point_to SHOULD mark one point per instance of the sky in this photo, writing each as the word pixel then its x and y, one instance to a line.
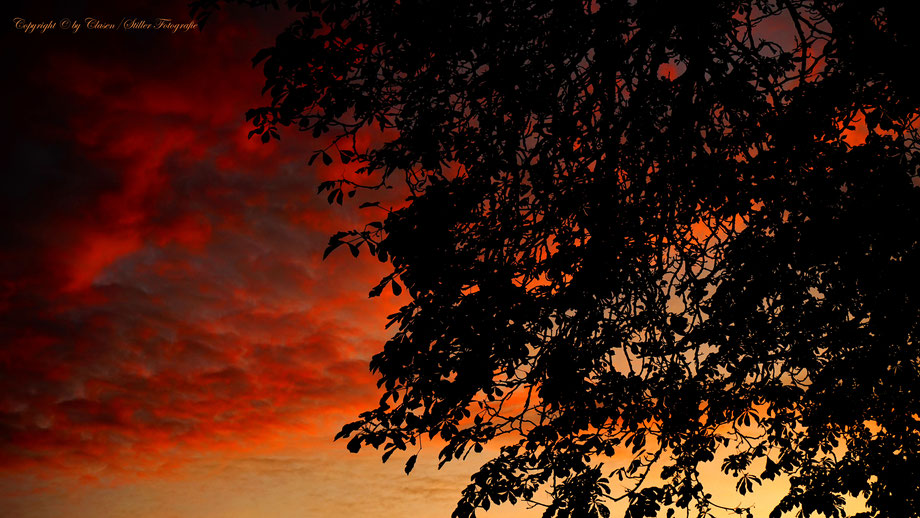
pixel 171 342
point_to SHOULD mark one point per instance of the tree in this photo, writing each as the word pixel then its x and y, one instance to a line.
pixel 680 232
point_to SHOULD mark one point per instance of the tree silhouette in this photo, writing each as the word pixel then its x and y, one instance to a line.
pixel 642 236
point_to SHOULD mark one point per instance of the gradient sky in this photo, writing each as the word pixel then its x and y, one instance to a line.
pixel 171 343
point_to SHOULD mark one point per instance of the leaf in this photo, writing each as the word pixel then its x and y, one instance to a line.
pixel 387 454
pixel 333 244
pixel 410 463
pixel 354 445
pixel 397 289
pixel 261 55
pixel 326 158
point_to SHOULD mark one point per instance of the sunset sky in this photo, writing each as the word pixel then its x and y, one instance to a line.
pixel 171 342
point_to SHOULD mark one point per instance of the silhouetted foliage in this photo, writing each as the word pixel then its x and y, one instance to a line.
pixel 642 236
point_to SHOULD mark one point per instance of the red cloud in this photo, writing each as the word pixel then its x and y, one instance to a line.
pixel 161 290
